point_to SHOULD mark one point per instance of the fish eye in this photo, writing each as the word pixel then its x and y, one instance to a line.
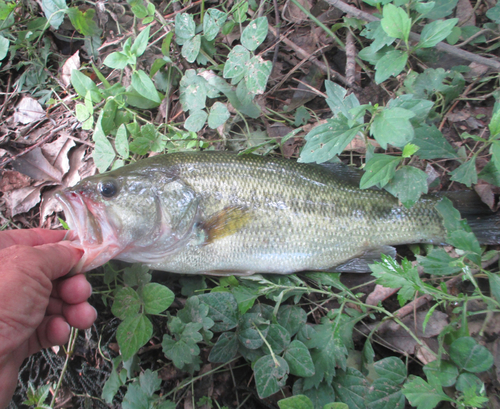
pixel 108 188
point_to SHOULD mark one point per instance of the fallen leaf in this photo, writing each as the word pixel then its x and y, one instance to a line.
pixel 10 180
pixel 28 110
pixel 57 152
pixel 36 166
pixel 72 63
pixel 465 13
pixel 432 174
pixel 487 192
pixel 21 200
pixel 293 14
pixel 380 293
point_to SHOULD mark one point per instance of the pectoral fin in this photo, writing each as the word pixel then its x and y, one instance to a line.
pixel 361 264
pixel 224 223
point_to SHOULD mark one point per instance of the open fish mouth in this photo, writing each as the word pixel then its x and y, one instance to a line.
pixel 89 231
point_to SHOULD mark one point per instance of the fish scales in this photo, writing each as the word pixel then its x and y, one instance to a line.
pixel 274 215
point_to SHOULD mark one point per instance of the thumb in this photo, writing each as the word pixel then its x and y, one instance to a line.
pixel 57 259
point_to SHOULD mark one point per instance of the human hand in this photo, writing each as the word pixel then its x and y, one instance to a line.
pixel 37 307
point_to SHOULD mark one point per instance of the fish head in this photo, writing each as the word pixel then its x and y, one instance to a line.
pixel 132 215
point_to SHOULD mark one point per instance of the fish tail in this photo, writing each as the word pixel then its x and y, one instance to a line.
pixel 484 223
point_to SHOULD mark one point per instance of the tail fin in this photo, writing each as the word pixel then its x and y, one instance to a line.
pixel 482 220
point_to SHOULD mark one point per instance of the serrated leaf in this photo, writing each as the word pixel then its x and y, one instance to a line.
pixel 391 368
pixel 258 74
pixel 145 86
pixel 141 42
pixel 255 33
pixel 432 144
pixel 121 142
pixel 196 120
pixel 379 170
pixel 218 115
pixel 423 395
pixel 396 22
pixel 435 32
pixel 391 64
pixel 212 23
pixel 374 31
pixel 470 356
pixel 270 375
pixel 408 184
pixel 392 126
pixel 225 348
pixel 149 382
pixel 299 359
pixel 439 263
pixel 132 334
pixel 156 297
pixel 236 63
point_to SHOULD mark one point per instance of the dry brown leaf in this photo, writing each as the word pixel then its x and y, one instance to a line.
pixel 432 174
pixel 358 144
pixel 57 152
pixel 28 110
pixel 35 165
pixel 380 293
pixel 72 63
pixel 465 13
pixel 293 14
pixel 21 200
pixel 11 180
pixel 487 193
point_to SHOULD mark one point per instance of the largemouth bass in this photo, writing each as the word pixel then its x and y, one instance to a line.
pixel 219 213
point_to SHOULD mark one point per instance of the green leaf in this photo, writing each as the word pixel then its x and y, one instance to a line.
pixel 149 382
pixel 54 10
pixel 83 84
pixel 196 120
pixel 185 28
pixel 4 47
pixel 432 144
pixel 408 184
pixel 149 140
pixel 292 318
pixel 132 334
pixel 446 372
pixel 299 359
pixel 351 388
pixel 409 150
pixel 156 297
pixel 320 397
pixel 392 126
pixel 391 64
pixel 326 141
pixel 194 89
pixel 126 304
pixel 258 74
pixel 145 86
pixel 423 395
pixel 467 381
pixel 278 338
pixel 103 153
pixel 255 33
pixel 420 107
pixel 223 309
pixel 84 116
pixel 245 296
pixel 470 356
pixel 466 173
pixel 225 348
pixel 184 349
pixel 494 281
pixel 6 9
pixel 240 14
pixel 191 48
pixel 391 368
pixel 218 115
pixel 121 142
pixel 236 63
pixel 439 263
pixel 252 329
pixel 385 394
pixel 140 43
pixel 379 170
pixel 108 117
pixel 212 23
pixel 494 124
pixel 494 13
pixel 375 32
pixel 296 402
pixel 442 9
pixel 113 383
pixel 435 32
pixel 270 375
pixel 396 22
pixel 118 60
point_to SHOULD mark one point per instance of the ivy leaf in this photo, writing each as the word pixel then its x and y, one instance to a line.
pixel 156 297
pixel 255 33
pixel 379 170
pixel 435 32
pixel 132 334
pixel 392 126
pixel 396 22
pixel 270 375
pixel 408 184
pixel 466 173
pixel 391 64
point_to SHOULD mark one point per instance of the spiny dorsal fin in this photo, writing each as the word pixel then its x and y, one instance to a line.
pixel 225 222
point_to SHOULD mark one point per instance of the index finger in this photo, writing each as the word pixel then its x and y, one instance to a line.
pixel 31 237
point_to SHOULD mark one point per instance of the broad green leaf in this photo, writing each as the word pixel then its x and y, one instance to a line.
pixel 351 388
pixel 149 382
pixel 194 89
pixel 494 280
pixel 218 115
pixel 278 338
pixel 432 144
pixel 145 86
pixel 258 74
pixel 391 64
pixel 379 170
pixel 132 334
pixel 126 304
pixel 396 22
pixel 420 107
pixel 108 116
pixel 392 126
pixel 240 14
pixel 374 31
pixel 270 375
pixel 83 84
pixel 391 368
pixel 149 140
pixel 408 184
pixel 6 9
pixel 385 394
pixel 467 381
pixel 252 328
pixel 255 33
pixel 320 397
pixel 296 402
pixel 212 23
pixel 225 348
pixel 494 124
pixel 466 173
pixel 442 9
pixel 113 384
pixel 83 21
pixel 223 310
pixel 196 120
pixel 121 142
pixel 424 395
pixel 84 116
pixel 292 318
pixel 185 27
pixel 494 13
pixel 245 296
pixel 118 60
pixel 446 372
pixel 156 297
pixel 336 405
pixel 409 150
pixel 299 359
pixel 470 356
pixel 141 42
pixel 236 63
pixel 439 263
pixel 103 153
pixel 435 32
pixel 54 10
pixel 4 47
pixel 191 48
